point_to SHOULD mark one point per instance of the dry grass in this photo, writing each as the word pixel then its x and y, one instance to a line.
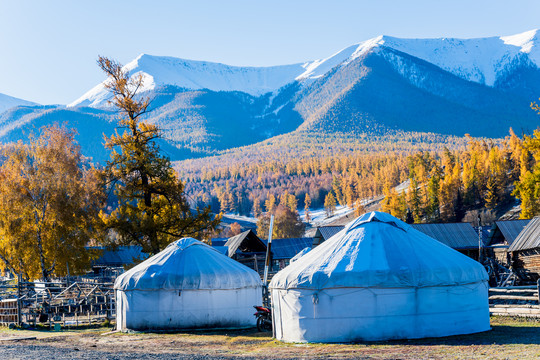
pixel 510 339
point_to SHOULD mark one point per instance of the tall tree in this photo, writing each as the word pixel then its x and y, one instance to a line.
pixel 49 204
pixel 257 207
pixel 270 203
pixel 330 204
pixel 152 210
pixel 287 224
pixel 307 205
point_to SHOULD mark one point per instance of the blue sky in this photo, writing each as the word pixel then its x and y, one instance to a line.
pixel 49 48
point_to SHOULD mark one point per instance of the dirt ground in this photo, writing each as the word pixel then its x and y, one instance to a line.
pixel 509 339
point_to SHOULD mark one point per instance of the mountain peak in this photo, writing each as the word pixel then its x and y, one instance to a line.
pixel 481 60
pixel 7 102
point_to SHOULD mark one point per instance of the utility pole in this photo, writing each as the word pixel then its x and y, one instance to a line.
pixel 19 294
pixel 480 243
pixel 267 263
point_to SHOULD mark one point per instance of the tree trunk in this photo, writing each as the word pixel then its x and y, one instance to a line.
pixel 44 271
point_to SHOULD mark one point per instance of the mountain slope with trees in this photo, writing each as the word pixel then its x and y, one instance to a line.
pixel 382 86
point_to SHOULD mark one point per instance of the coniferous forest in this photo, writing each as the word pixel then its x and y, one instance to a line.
pixel 441 185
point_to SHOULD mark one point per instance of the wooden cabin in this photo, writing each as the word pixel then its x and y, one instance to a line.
pixel 245 248
pixel 248 249
pixel 283 250
pixel 112 262
pixel 459 236
pixel 503 234
pixel 525 251
pixel 324 233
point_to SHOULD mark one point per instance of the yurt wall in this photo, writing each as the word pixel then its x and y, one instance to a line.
pixel 379 279
pixel 187 285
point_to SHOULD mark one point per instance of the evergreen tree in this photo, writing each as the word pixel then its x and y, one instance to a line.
pixel 492 198
pixel 459 209
pixel 432 208
pixel 414 200
pixel 152 210
pixel 409 219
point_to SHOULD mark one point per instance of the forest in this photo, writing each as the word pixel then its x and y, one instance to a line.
pixel 442 184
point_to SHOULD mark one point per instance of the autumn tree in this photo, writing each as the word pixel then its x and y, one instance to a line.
pixel 307 205
pixel 257 207
pixel 270 203
pixel 528 185
pixel 395 204
pixel 152 210
pixel 330 204
pixel 287 224
pixel 49 203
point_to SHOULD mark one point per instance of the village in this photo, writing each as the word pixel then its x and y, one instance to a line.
pixel 191 285
pixel 255 180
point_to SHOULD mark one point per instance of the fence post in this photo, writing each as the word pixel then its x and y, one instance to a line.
pixel 538 288
pixel 19 292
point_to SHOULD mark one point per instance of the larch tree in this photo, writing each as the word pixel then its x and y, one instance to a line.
pixel 287 224
pixel 270 203
pixel 307 205
pixel 330 204
pixel 49 204
pixel 152 209
pixel 257 207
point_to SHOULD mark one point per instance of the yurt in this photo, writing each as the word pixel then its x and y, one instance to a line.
pixel 187 285
pixel 379 279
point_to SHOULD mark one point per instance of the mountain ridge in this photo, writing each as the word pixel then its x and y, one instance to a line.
pixel 367 90
pixel 491 55
pixel 7 102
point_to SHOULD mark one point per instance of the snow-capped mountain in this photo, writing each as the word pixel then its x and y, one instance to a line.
pixel 7 102
pixel 195 75
pixel 482 60
pixel 385 84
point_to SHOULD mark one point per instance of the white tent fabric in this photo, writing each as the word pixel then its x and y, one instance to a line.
pixel 300 254
pixel 187 285
pixel 379 279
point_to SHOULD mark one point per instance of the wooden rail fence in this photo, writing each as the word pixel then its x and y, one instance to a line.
pixel 515 301
pixel 56 304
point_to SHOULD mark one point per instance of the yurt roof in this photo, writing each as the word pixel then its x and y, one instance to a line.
pixel 379 250
pixel 188 264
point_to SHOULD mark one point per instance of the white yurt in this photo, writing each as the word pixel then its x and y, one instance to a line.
pixel 379 279
pixel 187 285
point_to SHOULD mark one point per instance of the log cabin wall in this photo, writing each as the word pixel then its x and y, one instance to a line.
pixel 528 260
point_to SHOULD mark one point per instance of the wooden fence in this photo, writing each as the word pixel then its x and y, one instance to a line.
pixel 56 303
pixel 521 301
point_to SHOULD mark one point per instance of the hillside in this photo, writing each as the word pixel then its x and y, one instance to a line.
pixel 8 102
pixel 365 93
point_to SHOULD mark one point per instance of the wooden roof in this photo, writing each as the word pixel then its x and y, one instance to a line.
pixel 459 236
pixel 326 232
pixel 508 229
pixel 288 248
pixel 245 242
pixel 528 238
